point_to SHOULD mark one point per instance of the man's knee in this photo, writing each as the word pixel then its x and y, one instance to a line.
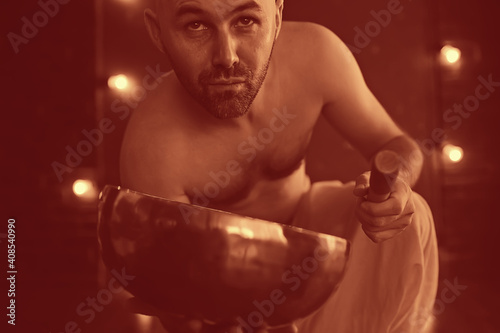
pixel 423 220
pixel 421 206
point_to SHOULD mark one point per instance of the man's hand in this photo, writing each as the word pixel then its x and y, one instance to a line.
pixel 175 324
pixel 386 219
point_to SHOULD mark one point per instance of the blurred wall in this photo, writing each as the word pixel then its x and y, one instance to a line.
pixel 48 85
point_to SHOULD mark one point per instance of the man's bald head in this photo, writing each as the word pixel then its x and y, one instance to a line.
pixel 158 3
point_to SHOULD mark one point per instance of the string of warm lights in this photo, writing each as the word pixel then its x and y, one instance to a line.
pixel 451 56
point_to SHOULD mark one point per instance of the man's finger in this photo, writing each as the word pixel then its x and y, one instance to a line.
pixel 398 203
pixel 398 225
pixel 385 222
pixel 380 236
pixel 362 184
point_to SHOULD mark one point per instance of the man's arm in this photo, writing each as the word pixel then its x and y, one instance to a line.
pixel 353 110
pixel 149 159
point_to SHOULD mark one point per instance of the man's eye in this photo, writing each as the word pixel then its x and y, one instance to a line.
pixel 196 26
pixel 245 22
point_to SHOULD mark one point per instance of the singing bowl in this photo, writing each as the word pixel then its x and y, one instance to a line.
pixel 217 266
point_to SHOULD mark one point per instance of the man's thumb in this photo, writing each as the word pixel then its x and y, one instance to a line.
pixel 362 184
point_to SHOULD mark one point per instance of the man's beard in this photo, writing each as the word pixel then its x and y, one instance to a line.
pixel 229 103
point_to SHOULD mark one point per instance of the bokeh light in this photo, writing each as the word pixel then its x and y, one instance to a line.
pixel 118 82
pixel 84 189
pixel 451 54
pixel 453 153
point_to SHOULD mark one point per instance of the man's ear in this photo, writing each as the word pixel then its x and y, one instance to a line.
pixel 153 27
pixel 279 16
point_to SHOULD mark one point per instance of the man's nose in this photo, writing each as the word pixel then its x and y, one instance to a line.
pixel 225 54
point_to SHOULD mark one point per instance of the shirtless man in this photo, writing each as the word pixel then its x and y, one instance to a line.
pixel 238 112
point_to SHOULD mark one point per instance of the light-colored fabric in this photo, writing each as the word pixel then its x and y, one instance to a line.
pixel 387 287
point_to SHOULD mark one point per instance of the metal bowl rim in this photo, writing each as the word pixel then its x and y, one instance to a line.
pixel 217 211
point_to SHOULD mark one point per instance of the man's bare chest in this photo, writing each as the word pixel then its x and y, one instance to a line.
pixel 226 167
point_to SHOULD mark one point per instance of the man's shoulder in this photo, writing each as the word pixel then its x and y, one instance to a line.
pixel 156 110
pixel 303 27
pixel 151 136
pixel 150 106
pixel 318 56
pixel 307 37
pixel 314 48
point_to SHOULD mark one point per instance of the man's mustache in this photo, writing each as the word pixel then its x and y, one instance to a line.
pixel 237 71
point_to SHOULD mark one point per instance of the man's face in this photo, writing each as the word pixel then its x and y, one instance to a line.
pixel 219 49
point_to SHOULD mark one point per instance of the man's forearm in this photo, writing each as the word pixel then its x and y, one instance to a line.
pixel 411 157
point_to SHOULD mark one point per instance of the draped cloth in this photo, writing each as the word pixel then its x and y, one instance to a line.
pixel 387 287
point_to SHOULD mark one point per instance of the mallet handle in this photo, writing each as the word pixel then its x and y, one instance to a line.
pixel 384 172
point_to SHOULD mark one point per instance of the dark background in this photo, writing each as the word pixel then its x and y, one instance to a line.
pixel 55 87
